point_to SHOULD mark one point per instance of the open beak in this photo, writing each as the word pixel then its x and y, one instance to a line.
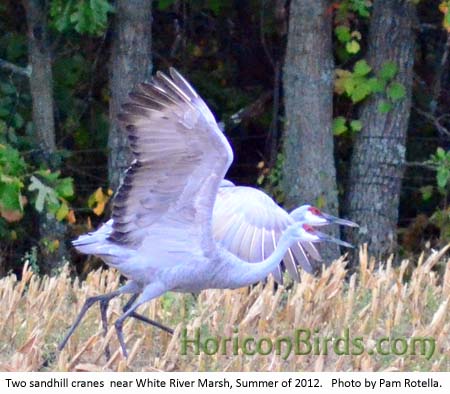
pixel 335 220
pixel 329 238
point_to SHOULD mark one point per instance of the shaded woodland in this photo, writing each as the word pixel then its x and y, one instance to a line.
pixel 341 104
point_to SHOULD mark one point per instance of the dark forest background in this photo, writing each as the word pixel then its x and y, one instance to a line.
pixel 342 104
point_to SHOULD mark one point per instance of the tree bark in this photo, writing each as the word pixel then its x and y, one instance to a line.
pixel 41 90
pixel 378 158
pixel 309 172
pixel 131 64
pixel 41 78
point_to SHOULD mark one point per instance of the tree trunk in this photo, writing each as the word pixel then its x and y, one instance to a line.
pixel 378 158
pixel 41 90
pixel 131 64
pixel 309 173
pixel 41 78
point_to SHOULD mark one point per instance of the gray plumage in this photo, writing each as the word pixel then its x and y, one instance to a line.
pixel 162 235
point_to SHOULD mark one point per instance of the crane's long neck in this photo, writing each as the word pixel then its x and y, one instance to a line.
pixel 242 273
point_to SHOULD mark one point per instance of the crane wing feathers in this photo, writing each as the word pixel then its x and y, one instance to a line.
pixel 180 157
pixel 248 223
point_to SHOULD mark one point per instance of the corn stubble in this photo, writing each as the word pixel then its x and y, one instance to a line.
pixel 373 302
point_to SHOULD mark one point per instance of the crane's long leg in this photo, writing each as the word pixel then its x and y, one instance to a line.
pixel 153 290
pixel 144 319
pixel 103 312
pixel 130 287
pixel 137 316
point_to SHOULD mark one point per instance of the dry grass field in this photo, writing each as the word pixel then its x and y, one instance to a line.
pixel 409 300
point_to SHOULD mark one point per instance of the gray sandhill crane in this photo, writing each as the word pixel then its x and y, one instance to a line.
pixel 161 235
pixel 248 223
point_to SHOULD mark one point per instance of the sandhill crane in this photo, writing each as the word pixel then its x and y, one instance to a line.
pixel 161 233
pixel 248 223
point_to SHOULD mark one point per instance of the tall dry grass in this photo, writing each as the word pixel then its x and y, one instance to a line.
pixel 412 299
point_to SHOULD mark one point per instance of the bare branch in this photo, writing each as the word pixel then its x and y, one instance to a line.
pixel 421 164
pixel 435 120
pixel 22 71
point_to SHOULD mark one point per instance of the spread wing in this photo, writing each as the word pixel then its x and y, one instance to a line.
pixel 180 158
pixel 248 223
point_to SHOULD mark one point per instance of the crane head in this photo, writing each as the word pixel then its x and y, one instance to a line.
pixel 310 234
pixel 315 217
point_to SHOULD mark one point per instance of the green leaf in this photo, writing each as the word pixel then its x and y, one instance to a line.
pixel 440 153
pixel 343 33
pixel 396 91
pixel 349 85
pixel 11 162
pixel 339 125
pixel 356 125
pixel 10 196
pixel 216 6
pixel 446 21
pixel 362 7
pixel 18 120
pixel 442 176
pixel 388 71
pixel 64 188
pixel 60 12
pixel 352 46
pixel 8 88
pixel 361 68
pixel 361 91
pixel 376 85
pixel 427 192
pixel 384 107
pixel 165 4
pixel 62 212
pixel 91 16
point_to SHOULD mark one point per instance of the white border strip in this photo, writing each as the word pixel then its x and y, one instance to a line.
pixel 220 382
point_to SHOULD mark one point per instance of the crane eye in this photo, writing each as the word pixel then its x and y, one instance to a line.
pixel 315 211
pixel 308 228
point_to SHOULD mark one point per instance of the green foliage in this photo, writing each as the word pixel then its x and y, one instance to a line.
pixel 444 7
pixel 339 125
pixel 52 191
pixel 354 84
pixel 356 125
pixel 83 16
pixel 347 10
pixel 361 7
pixel 349 39
pixel 352 47
pixel 163 5
pixel 12 170
pixel 347 30
pixel 362 68
pixel 388 71
pixel 360 83
pixel 384 107
pixel 440 161
pixel 342 126
pixel 396 91
pixel 215 6
pixel 47 189
pixel 15 46
pixel 343 34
